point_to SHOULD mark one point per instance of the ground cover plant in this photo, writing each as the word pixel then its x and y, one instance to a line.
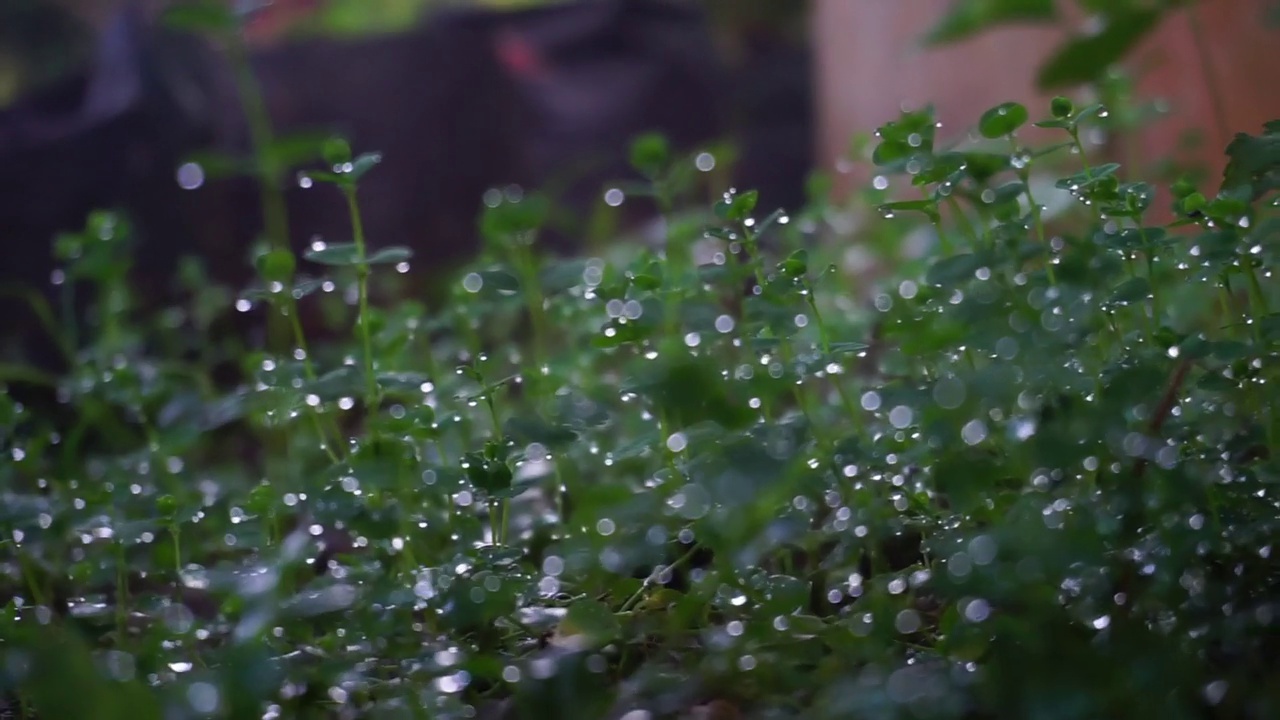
pixel 1034 478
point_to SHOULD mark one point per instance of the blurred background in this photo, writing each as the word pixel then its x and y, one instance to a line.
pixel 863 59
pixel 101 106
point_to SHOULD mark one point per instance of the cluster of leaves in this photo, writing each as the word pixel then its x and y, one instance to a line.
pixel 1034 479
pixel 1118 27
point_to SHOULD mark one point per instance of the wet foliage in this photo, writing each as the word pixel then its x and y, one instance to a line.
pixel 1033 478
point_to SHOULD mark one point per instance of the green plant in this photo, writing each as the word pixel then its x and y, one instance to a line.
pixel 1033 479
pixel 1117 28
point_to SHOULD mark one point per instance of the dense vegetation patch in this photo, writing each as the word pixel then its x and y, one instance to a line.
pixel 1034 479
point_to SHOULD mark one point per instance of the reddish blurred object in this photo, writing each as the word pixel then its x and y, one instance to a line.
pixel 1209 61
pixel 519 56
pixel 275 19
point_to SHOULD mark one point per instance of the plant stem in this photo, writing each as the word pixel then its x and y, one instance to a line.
pixel 528 267
pixel 653 578
pixel 122 594
pixel 677 263
pixel 849 406
pixel 274 211
pixel 944 242
pixel 1224 298
pixel 177 554
pixel 1084 158
pixel 1150 256
pixel 664 433
pixel 963 222
pixel 262 137
pixel 362 280
pixel 310 372
pixel 494 528
pixel 1025 175
pixel 1257 298
pixel 30 577
pixel 1229 302
pixel 493 416
pixel 406 527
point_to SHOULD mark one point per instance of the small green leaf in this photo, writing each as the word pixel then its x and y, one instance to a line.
pixel 1216 382
pixel 644 281
pixel 796 264
pixel 563 275
pixel 650 154
pixel 276 265
pixel 347 254
pixel 346 381
pixel 322 601
pixel 1085 58
pixel 590 623
pixel 910 136
pixel 774 218
pixel 302 287
pixel 202 16
pixel 784 595
pixel 967 18
pixel 843 348
pixel 336 151
pixel 1230 350
pixel 1006 193
pixel 737 208
pixel 1270 327
pixel 337 254
pixel 1132 290
pixel 362 165
pixel 345 175
pixel 486 473
pixel 1054 123
pixel 1088 178
pixel 499 281
pixel 418 420
pixel 533 429
pixel 1195 348
pixel 288 151
pixel 390 256
pixel 1002 120
pixel 508 220
pixel 407 383
pixel 217 165
pixel 928 207
pixel 167 506
pixel 955 269
pixel 940 168
pixel 1254 160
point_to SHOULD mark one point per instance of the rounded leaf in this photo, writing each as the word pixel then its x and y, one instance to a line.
pixel 276 265
pixel 336 151
pixel 1002 120
pixel 650 153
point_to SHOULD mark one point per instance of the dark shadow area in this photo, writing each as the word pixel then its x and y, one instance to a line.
pixel 548 97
